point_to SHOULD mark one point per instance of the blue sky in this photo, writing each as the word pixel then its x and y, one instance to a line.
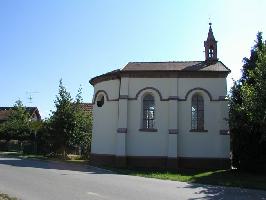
pixel 43 41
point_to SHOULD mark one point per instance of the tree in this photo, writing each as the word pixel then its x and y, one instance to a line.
pixel 248 111
pixel 62 120
pixel 83 124
pixel 17 126
pixel 70 126
pixel 35 127
pixel 43 139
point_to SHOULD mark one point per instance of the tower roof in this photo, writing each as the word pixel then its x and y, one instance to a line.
pixel 210 46
pixel 210 34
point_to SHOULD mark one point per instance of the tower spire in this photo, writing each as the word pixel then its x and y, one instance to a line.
pixel 210 46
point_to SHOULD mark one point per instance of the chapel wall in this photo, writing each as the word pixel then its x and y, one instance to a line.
pixel 209 144
pixel 173 111
pixel 141 143
pixel 105 118
pixel 188 144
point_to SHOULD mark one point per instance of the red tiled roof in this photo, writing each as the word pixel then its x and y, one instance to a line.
pixel 87 107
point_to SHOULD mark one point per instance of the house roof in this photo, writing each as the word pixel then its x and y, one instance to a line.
pixel 6 111
pixel 197 69
pixel 4 114
pixel 87 107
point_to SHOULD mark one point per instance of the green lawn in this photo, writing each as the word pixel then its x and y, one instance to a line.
pixel 6 197
pixel 21 155
pixel 232 178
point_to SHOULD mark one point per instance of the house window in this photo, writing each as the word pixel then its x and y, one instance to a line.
pixel 148 112
pixel 100 101
pixel 197 113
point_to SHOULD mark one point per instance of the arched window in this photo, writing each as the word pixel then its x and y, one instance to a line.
pixel 148 112
pixel 197 112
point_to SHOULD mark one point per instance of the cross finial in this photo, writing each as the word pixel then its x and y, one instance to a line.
pixel 210 21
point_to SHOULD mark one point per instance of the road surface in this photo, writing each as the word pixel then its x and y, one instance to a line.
pixel 49 180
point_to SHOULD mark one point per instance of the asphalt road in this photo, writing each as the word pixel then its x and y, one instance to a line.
pixel 45 180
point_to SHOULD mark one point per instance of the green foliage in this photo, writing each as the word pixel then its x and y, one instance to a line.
pixel 81 136
pixel 42 137
pixel 62 120
pixel 248 112
pixel 18 124
pixel 70 126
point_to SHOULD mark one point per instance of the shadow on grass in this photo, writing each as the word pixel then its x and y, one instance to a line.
pixel 210 192
pixel 214 182
pixel 230 178
pixel 233 178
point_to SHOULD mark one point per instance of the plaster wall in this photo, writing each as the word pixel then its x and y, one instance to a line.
pixel 215 86
pixel 105 118
pixel 162 84
pixel 202 144
pixel 111 87
pixel 141 143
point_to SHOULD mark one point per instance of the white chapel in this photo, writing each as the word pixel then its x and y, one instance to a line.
pixel 166 115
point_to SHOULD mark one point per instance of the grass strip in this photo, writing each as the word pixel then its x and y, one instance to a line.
pixel 6 197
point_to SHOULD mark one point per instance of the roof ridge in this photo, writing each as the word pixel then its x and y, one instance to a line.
pixel 167 61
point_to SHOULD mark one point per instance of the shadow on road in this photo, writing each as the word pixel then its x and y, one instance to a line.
pixel 209 192
pixel 43 164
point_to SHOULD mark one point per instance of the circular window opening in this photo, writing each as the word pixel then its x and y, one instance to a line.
pixel 100 101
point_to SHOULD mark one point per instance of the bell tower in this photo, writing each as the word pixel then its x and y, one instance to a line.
pixel 210 46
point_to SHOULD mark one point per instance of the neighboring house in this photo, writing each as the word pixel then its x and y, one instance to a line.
pixel 163 114
pixel 87 107
pixel 6 111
